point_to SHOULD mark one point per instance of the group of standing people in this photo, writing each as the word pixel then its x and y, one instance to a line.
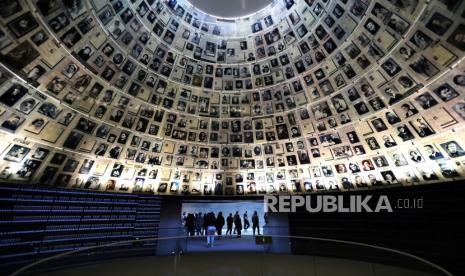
pixel 237 223
pixel 208 224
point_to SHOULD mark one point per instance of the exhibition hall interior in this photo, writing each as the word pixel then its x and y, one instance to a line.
pixel 127 126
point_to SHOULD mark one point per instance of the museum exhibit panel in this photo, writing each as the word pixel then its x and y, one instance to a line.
pixel 111 107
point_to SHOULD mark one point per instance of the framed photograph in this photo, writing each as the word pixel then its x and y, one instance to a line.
pixel 62 180
pixel 66 118
pixel 446 92
pixel 439 24
pixel 73 140
pixel 75 8
pixel 210 49
pixel 5 173
pixel 459 108
pixel 256 27
pixel 16 153
pixel 56 85
pixel 59 22
pixel 71 37
pixel 399 25
pixel 58 158
pixel 28 169
pixel 70 165
pixel 49 110
pixel 9 8
pixel 86 25
pixel 27 105
pixel 36 125
pixel 86 166
pixel 371 26
pixel 12 122
pixel 456 38
pixel 34 75
pixel 47 7
pixel 421 40
pixel 20 56
pixel 13 95
pixel 40 153
pixel 421 127
pixel 23 25
pixel 453 149
pixel 424 67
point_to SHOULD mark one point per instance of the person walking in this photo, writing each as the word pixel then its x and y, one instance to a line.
pixel 238 223
pixel 219 223
pixel 229 223
pixel 255 223
pixel 246 222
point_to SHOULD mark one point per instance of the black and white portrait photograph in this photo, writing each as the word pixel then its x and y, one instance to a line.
pixel 23 25
pixel 9 8
pixel 20 56
pixel 11 96
pixel 27 170
pixel 16 153
pixel 457 38
pixel 453 149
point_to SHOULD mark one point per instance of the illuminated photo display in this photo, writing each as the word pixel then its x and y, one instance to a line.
pixel 158 97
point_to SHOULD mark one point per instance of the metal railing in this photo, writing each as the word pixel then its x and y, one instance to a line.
pixel 264 245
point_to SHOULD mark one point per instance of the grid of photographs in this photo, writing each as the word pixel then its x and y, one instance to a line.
pixel 304 96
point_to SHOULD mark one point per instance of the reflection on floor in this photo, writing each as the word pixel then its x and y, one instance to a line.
pixel 238 263
pixel 225 243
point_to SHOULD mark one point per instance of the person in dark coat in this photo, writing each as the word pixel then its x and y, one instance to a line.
pixel 238 223
pixel 229 223
pixel 199 224
pixel 255 223
pixel 219 223
pixel 204 226
pixel 190 224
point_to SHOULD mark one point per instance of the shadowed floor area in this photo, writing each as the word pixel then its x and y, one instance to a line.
pixel 237 263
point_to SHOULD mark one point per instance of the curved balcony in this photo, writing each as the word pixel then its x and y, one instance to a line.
pixel 230 255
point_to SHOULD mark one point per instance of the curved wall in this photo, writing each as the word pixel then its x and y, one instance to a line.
pixel 303 96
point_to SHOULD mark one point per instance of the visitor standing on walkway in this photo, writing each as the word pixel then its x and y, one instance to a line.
pixel 190 224
pixel 210 222
pixel 229 223
pixel 238 223
pixel 199 224
pixel 219 223
pixel 255 223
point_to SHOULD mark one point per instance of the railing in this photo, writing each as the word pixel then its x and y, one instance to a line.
pixel 173 255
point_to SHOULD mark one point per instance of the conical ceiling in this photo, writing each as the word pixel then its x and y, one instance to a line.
pixel 300 97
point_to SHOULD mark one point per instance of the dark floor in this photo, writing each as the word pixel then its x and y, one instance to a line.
pixel 237 263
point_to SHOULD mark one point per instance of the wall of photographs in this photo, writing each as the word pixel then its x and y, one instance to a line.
pixel 304 96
